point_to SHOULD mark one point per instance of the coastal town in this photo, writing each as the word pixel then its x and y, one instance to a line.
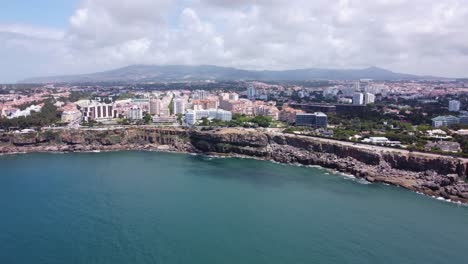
pixel 425 116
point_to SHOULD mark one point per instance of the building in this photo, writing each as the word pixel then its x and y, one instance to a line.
pixel 164 119
pixel 266 110
pixel 233 96
pixel 251 92
pixel 288 114
pixel 369 98
pixel 358 99
pixel 205 104
pixel 316 119
pixel 155 106
pixel 350 109
pixel 445 121
pixel 200 95
pixel 324 108
pixel 377 140
pixel 135 113
pixel 179 106
pixel 454 105
pixel 192 117
pixel 357 86
pixel 98 111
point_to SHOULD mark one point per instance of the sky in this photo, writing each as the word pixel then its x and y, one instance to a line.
pixel 56 37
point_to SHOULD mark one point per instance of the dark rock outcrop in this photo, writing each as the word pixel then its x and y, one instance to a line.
pixel 427 173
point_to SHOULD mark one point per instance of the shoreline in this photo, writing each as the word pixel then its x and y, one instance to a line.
pixel 328 171
pixel 427 174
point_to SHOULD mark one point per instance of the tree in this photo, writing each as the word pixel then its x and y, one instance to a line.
pixel 147 118
pixel 179 118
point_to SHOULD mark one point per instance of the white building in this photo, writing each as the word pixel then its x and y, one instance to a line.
pixel 251 92
pixel 179 106
pixel 97 111
pixel 155 106
pixel 193 116
pixel 25 112
pixel 357 86
pixel 200 95
pixel 454 106
pixel 369 98
pixel 135 113
pixel 358 99
pixel 234 96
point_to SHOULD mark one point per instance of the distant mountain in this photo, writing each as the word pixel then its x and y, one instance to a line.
pixel 155 73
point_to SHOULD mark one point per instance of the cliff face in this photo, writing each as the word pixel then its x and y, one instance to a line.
pixel 430 174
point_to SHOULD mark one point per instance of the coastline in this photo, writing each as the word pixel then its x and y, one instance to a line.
pixel 430 175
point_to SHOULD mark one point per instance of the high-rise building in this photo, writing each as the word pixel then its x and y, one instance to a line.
pixel 357 86
pixel 251 92
pixel 369 98
pixel 155 106
pixel 179 106
pixel 135 113
pixel 358 99
pixel 454 105
pixel 200 95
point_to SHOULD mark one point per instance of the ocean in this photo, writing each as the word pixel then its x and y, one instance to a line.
pixel 150 207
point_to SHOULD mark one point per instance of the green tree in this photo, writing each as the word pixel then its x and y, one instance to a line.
pixel 147 118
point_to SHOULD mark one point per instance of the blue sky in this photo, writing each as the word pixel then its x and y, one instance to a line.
pixel 42 13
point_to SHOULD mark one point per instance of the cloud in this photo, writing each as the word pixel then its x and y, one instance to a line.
pixel 417 36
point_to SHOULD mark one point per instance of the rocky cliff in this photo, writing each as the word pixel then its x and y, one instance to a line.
pixel 430 174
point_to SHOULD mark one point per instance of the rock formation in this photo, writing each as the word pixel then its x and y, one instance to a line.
pixel 427 173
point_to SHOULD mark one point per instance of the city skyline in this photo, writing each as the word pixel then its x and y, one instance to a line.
pixel 54 38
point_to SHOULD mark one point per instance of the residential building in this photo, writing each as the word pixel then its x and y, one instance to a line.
pixel 155 106
pixel 164 119
pixel 369 98
pixel 445 121
pixel 179 106
pixel 358 99
pixel 194 115
pixel 233 96
pixel 200 95
pixel 454 105
pixel 251 92
pixel 288 114
pixel 135 113
pixel 97 111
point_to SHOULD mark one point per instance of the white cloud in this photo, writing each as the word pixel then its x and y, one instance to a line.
pixel 417 36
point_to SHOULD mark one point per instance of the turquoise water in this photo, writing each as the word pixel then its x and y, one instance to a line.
pixel 143 207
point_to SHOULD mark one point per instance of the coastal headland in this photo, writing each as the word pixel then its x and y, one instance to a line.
pixel 430 174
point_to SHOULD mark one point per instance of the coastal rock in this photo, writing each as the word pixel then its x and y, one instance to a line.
pixel 431 174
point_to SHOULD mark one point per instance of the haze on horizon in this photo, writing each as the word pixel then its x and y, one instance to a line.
pixel 54 37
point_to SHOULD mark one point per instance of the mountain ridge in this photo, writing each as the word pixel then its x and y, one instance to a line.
pixel 155 73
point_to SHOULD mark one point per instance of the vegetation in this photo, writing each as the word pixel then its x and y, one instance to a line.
pixel 49 115
pixel 76 96
pixel 147 118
